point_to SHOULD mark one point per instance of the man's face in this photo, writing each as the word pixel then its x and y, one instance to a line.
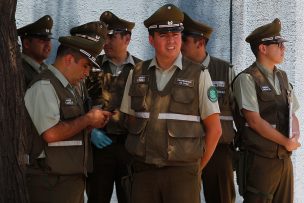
pixel 79 70
pixel 189 47
pixel 38 49
pixel 116 45
pixel 275 52
pixel 167 44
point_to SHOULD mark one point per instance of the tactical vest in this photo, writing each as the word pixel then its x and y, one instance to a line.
pixel 110 92
pixel 219 71
pixel 29 72
pixel 71 156
pixel 166 128
pixel 273 108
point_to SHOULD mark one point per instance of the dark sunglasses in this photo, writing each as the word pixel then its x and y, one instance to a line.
pixel 279 44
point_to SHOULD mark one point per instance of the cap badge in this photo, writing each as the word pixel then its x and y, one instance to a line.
pixel 170 22
pixel 169 7
pixel 47 30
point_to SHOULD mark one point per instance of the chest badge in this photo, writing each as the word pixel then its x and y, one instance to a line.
pixel 212 94
pixel 69 101
pixel 141 79
pixel 265 89
pixel 183 82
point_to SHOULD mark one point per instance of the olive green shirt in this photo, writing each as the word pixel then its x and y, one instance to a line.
pixel 42 102
pixel 245 92
pixel 206 107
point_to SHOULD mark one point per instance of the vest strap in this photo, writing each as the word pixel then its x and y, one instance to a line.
pixel 142 114
pixel 273 125
pixel 226 118
pixel 170 116
pixel 182 117
pixel 65 143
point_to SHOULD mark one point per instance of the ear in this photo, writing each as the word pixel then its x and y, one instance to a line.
pixel 262 49
pixel 128 39
pixel 200 43
pixel 68 59
pixel 26 43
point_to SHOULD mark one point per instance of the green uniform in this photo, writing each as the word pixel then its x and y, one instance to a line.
pixel 110 163
pixel 31 68
pixel 166 136
pixel 217 176
pixel 58 173
pixel 264 92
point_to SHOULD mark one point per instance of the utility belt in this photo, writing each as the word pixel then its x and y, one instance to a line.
pixel 117 139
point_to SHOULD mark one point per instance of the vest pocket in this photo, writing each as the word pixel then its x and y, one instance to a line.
pixel 135 143
pixel 138 94
pixel 182 97
pixel 185 141
pixel 65 160
pixel 70 111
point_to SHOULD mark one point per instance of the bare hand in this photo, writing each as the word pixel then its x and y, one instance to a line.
pixel 292 144
pixel 98 118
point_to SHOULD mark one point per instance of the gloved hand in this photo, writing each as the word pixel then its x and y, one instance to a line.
pixel 100 139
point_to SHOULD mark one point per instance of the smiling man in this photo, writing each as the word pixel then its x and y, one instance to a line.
pixel 36 46
pixel 173 117
pixel 61 154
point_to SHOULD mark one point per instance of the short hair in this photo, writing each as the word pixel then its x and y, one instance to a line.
pixel 65 50
pixel 255 48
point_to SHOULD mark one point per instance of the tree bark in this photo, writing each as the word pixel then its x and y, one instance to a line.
pixel 12 110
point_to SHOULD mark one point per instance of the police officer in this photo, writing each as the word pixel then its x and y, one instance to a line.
pixel 217 176
pixel 36 46
pixel 173 117
pixel 95 31
pixel 58 172
pixel 106 90
pixel 264 97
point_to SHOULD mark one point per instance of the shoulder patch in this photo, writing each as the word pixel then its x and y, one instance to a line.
pixel 212 94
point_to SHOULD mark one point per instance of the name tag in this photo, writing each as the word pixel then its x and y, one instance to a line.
pixel 142 79
pixel 69 101
pixel 183 82
pixel 219 83
pixel 265 89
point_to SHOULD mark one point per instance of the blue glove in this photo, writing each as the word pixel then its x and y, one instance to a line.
pixel 100 139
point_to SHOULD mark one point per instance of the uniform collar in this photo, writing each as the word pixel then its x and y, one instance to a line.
pixel 177 63
pixel 206 62
pixel 265 70
pixel 32 62
pixel 129 60
pixel 59 75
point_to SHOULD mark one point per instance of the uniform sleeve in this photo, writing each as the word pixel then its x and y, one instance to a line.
pixel 245 93
pixel 42 104
pixel 295 105
pixel 126 100
pixel 206 106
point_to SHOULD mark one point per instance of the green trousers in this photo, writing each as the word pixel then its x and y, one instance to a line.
pixel 170 184
pixel 46 188
pixel 217 176
pixel 269 180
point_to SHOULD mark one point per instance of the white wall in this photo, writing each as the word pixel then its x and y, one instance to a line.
pixel 246 16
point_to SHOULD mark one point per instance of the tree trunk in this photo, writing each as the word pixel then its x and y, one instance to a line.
pixel 12 110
